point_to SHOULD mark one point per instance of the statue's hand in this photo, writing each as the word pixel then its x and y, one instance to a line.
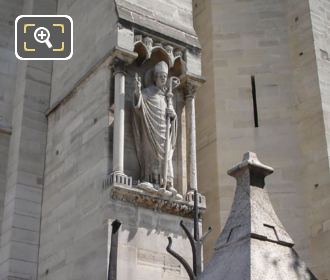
pixel 170 113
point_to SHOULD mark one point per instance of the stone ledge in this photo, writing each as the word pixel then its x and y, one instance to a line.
pixel 157 203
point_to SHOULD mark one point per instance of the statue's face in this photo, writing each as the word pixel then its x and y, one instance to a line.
pixel 160 79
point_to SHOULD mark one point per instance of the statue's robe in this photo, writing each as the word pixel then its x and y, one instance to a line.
pixel 149 123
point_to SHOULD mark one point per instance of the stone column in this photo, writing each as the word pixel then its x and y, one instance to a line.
pixel 120 58
pixel 191 87
pixel 117 177
pixel 119 125
pixel 190 107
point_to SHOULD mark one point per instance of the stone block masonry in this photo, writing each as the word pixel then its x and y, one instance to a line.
pixel 27 101
pixel 283 44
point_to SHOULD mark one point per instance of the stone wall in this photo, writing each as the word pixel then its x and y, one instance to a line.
pixel 283 44
pixel 250 39
pixel 272 41
pixel 320 198
pixel 142 242
pixel 206 125
pixel 25 167
pixel 76 207
pixel 73 240
pixel 9 11
pixel 93 39
pixel 72 227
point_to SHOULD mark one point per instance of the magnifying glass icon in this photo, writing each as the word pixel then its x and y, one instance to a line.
pixel 41 35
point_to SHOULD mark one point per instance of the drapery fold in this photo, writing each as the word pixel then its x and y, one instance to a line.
pixel 149 126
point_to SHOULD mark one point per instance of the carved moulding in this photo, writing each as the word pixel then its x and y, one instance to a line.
pixel 138 197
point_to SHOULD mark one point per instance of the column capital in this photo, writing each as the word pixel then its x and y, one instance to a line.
pixel 191 90
pixel 191 84
pixel 118 66
pixel 120 58
pixel 124 55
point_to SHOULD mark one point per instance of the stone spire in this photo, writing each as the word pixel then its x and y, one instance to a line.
pixel 254 244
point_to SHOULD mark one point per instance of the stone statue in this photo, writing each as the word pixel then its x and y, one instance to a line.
pixel 155 130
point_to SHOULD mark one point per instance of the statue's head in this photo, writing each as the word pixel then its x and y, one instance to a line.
pixel 160 74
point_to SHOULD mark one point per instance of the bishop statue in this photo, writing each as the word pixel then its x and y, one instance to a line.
pixel 155 130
